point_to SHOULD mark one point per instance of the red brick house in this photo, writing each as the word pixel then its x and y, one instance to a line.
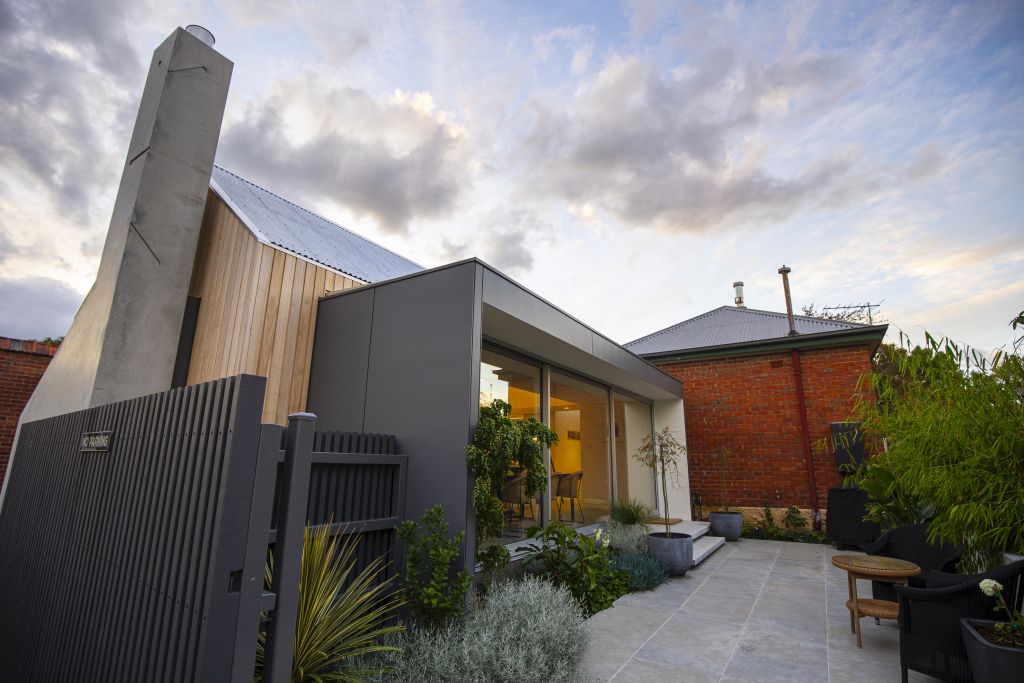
pixel 22 363
pixel 766 396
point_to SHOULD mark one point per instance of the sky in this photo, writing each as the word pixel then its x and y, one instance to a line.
pixel 626 161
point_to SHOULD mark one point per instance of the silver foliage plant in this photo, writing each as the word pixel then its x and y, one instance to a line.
pixel 628 538
pixel 528 631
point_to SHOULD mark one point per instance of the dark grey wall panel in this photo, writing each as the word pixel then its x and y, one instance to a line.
pixel 419 385
pixel 341 348
pixel 424 349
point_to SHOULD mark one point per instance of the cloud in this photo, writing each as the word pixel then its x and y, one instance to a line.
pixel 664 148
pixel 394 158
pixel 33 308
pixel 505 238
pixel 54 60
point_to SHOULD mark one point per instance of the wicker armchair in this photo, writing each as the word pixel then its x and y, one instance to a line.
pixel 910 543
pixel 929 621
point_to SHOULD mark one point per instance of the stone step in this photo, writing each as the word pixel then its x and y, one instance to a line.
pixel 704 546
pixel 695 529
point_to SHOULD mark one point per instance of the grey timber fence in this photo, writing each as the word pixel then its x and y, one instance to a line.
pixel 133 536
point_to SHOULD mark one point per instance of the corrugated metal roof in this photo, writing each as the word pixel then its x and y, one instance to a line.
pixel 289 227
pixel 731 325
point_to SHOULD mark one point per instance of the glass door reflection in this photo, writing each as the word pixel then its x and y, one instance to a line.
pixel 518 384
pixel 580 461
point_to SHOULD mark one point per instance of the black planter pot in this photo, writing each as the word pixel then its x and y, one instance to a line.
pixel 990 663
pixel 674 550
pixel 727 524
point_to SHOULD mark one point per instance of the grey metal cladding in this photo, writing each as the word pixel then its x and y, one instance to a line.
pixel 731 325
pixel 288 226
pixel 340 360
pixel 414 380
pixel 116 564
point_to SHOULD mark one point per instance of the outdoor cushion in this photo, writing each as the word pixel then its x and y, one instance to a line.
pixel 910 543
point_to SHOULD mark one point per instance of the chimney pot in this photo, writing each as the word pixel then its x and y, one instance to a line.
pixel 784 271
pixel 739 294
pixel 201 33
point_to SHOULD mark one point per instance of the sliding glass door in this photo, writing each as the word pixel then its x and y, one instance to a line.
pixel 580 461
pixel 517 383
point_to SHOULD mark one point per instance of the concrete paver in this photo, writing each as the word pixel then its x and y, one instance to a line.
pixel 754 612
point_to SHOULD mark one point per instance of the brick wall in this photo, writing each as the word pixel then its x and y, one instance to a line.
pixel 22 363
pixel 748 405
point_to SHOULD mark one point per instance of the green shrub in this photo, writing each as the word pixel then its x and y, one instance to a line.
pixel 630 512
pixel 645 572
pixel 792 520
pixel 628 538
pixel 434 592
pixel 577 561
pixel 767 529
pixel 528 630
pixel 342 615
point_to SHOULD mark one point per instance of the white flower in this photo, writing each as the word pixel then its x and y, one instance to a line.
pixel 990 587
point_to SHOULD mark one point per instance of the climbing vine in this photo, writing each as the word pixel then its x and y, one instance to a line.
pixel 500 442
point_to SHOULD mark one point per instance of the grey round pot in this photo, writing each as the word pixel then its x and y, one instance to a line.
pixel 675 551
pixel 727 524
pixel 990 663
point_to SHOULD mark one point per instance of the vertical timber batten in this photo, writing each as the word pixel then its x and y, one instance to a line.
pixel 258 311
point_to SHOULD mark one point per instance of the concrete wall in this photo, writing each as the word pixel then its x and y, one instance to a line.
pixel 123 341
pixel 403 358
pixel 748 405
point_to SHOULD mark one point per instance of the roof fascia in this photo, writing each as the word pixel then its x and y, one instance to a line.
pixel 870 334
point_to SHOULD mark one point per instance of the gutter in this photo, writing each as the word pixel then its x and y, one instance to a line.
pixel 868 334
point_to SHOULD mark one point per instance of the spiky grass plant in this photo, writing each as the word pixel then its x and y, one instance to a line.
pixel 342 614
pixel 630 511
pixel 645 572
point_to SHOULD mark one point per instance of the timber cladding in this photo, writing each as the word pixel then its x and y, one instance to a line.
pixel 258 311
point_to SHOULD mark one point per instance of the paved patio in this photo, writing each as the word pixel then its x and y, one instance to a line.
pixel 754 611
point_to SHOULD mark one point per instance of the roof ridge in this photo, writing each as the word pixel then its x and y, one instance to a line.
pixel 323 218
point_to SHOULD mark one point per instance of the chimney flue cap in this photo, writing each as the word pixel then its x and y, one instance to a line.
pixel 738 299
pixel 201 33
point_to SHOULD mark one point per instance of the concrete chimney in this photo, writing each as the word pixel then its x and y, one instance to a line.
pixel 784 271
pixel 739 294
pixel 124 339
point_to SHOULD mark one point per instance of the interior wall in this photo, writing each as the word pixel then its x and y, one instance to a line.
pixel 257 312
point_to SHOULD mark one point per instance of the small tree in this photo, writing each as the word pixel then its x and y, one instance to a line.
pixel 662 453
pixel 722 465
pixel 500 442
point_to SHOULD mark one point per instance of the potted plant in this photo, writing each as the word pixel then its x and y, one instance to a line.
pixel 726 523
pixel 995 649
pixel 662 452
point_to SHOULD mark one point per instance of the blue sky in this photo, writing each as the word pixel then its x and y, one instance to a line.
pixel 627 161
